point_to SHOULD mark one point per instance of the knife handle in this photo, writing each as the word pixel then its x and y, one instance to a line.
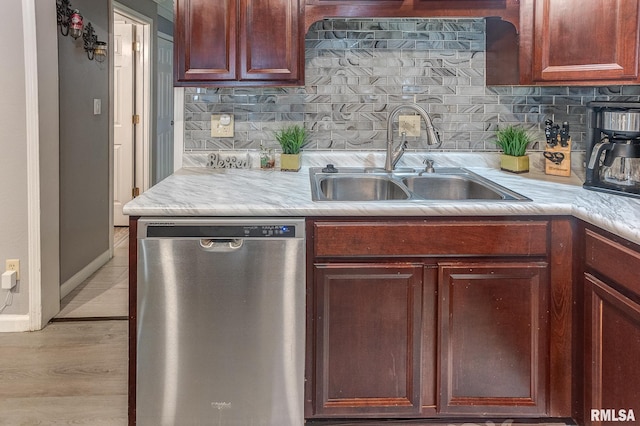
pixel 564 134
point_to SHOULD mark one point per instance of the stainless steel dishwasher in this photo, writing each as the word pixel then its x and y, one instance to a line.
pixel 220 322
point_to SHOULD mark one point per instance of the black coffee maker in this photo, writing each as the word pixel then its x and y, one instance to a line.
pixel 613 148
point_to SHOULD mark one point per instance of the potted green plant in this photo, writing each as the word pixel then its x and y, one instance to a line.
pixel 513 142
pixel 291 140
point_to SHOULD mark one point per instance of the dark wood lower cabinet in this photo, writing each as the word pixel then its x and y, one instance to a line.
pixel 381 334
pixel 612 330
pixel 368 339
pixel 493 338
pixel 612 354
pixel 439 319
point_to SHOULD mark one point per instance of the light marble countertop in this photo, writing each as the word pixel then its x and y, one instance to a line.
pixel 204 191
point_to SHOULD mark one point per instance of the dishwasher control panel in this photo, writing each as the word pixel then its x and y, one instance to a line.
pixel 221 231
pixel 270 231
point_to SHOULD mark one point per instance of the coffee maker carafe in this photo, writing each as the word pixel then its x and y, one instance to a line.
pixel 613 151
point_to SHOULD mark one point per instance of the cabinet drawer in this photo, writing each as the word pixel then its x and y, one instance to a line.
pixel 613 260
pixel 420 238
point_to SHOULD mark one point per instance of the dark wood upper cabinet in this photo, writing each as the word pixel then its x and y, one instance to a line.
pixel 270 40
pixel 353 2
pixel 569 42
pixel 205 40
pixel 578 40
pixel 239 42
pixel 320 9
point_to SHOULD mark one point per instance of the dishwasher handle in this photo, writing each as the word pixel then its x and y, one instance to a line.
pixel 221 244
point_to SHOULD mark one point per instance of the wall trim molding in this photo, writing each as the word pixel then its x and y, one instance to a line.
pixel 15 323
pixel 33 164
pixel 73 282
pixel 178 127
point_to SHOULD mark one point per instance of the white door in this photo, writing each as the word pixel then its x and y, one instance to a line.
pixel 164 154
pixel 123 128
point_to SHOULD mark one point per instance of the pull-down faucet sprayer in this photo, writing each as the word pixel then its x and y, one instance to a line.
pixel 393 156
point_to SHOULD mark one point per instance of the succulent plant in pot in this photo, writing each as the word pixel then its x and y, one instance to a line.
pixel 513 142
pixel 291 140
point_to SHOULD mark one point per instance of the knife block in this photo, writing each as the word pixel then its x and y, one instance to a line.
pixel 561 168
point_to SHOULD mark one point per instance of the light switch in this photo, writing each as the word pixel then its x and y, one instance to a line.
pixel 97 106
pixel 222 126
pixel 409 124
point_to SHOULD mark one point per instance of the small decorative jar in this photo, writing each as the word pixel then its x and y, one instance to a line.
pixel 267 158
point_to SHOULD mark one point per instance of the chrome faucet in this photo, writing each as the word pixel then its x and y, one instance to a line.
pixel 393 156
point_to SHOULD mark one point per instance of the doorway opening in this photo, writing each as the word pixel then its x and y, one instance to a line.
pixel 131 109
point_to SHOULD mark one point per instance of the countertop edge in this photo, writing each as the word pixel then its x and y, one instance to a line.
pixel 255 193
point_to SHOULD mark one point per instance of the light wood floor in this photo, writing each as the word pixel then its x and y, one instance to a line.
pixel 74 371
pixel 105 294
pixel 69 373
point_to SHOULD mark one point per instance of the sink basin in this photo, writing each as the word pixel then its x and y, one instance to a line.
pixel 367 184
pixel 360 188
pixel 443 187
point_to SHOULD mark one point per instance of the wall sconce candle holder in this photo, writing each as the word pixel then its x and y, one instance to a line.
pixel 71 23
pixel 95 49
pixel 75 24
pixel 100 51
pixel 69 20
pixel 63 15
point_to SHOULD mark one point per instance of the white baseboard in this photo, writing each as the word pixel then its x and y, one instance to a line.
pixel 14 323
pixel 73 282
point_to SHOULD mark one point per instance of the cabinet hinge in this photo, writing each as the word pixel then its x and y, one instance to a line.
pixel 135 192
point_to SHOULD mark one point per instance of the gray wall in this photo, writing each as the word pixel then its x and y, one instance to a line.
pixel 17 191
pixel 13 171
pixel 84 140
pixel 84 147
pixel 357 70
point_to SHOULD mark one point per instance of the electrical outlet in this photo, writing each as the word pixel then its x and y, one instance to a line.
pixel 13 265
pixel 409 125
pixel 222 126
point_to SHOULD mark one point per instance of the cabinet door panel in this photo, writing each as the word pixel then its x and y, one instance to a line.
pixel 578 40
pixel 367 339
pixel 269 41
pixel 612 332
pixel 493 338
pixel 205 45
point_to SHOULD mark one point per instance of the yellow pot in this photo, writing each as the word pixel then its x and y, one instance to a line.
pixel 290 162
pixel 513 164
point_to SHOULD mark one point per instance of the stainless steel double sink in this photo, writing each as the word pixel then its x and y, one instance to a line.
pixel 374 184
